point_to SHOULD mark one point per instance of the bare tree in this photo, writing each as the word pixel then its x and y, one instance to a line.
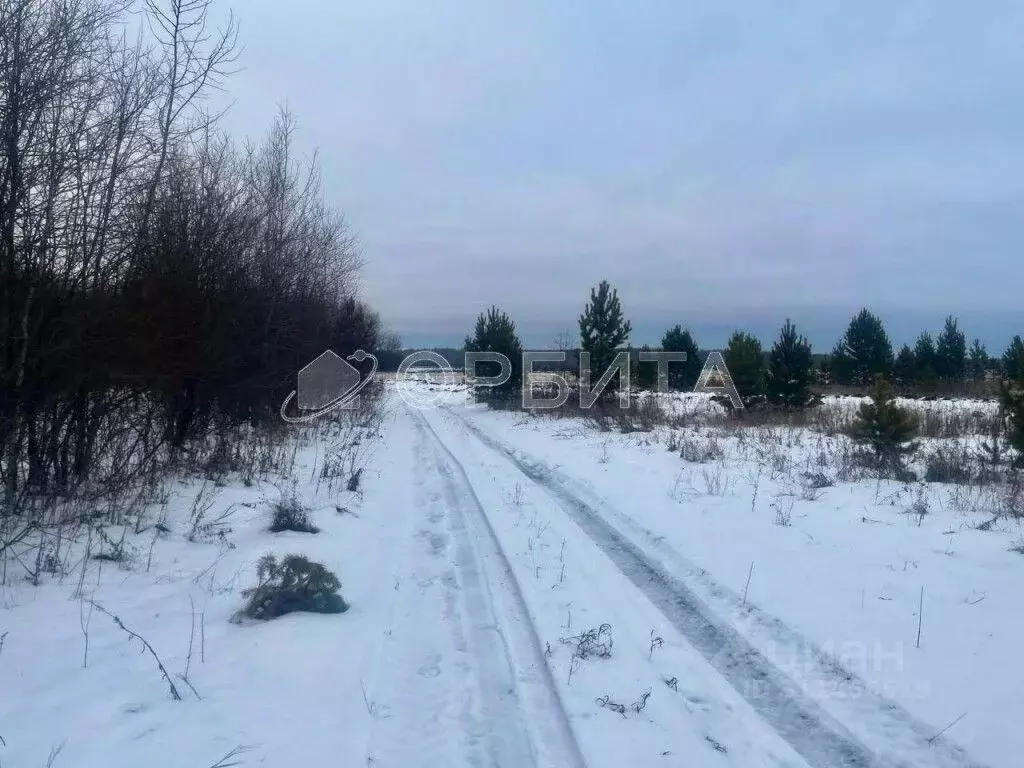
pixel 193 59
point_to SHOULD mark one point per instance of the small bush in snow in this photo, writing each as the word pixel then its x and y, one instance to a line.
pixel 354 480
pixel 294 584
pixel 783 513
pixel 593 642
pixel 817 480
pixel 920 508
pixel 947 465
pixel 697 451
pixel 1012 502
pixel 886 429
pixel 291 515
pixel 645 414
pixel 1012 399
pixel 116 550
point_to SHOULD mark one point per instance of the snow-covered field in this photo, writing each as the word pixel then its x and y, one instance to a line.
pixel 533 591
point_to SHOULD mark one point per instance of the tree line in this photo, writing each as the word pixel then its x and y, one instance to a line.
pixel 788 372
pixel 787 375
pixel 156 277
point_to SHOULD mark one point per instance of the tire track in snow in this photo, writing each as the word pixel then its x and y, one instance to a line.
pixel 822 740
pixel 513 675
pixel 419 699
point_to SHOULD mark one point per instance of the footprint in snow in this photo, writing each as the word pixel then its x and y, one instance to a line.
pixel 430 667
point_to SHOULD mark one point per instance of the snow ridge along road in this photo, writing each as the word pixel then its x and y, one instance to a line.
pixel 509 711
pixel 896 739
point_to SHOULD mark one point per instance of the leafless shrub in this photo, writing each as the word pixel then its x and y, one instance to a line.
pixel 201 527
pixel 953 464
pixel 854 464
pixel 672 442
pixel 920 507
pixel 817 480
pixel 349 437
pixel 783 512
pixel 116 549
pixel 592 643
pixel 289 514
pixel 716 481
pixel 647 413
pixel 696 450
pixel 1012 502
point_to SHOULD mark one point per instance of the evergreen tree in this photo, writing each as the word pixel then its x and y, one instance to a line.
pixel 823 371
pixel 925 359
pixel 978 360
pixel 905 367
pixel 864 351
pixel 645 374
pixel 682 376
pixel 745 361
pixel 603 330
pixel 951 352
pixel 886 428
pixel 1013 360
pixel 495 332
pixel 790 369
pixel 1012 401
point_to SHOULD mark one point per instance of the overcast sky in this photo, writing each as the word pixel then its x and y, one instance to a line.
pixel 723 164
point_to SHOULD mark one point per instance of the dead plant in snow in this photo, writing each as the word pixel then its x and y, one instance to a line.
pixel 594 642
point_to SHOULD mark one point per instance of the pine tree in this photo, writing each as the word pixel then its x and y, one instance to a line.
pixel 886 428
pixel 823 371
pixel 1013 360
pixel 603 331
pixel 645 374
pixel 1012 395
pixel 495 332
pixel 745 361
pixel 1012 401
pixel 682 376
pixel 951 352
pixel 925 359
pixel 978 361
pixel 905 367
pixel 790 369
pixel 864 351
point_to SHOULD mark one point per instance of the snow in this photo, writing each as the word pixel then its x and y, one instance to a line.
pixel 480 548
pixel 846 575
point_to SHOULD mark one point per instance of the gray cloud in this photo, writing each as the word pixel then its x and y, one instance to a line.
pixel 724 164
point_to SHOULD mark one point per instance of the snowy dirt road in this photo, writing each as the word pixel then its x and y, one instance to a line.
pixel 514 604
pixel 462 678
pixel 731 706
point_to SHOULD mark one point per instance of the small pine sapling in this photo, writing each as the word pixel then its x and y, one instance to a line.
pixel 886 428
